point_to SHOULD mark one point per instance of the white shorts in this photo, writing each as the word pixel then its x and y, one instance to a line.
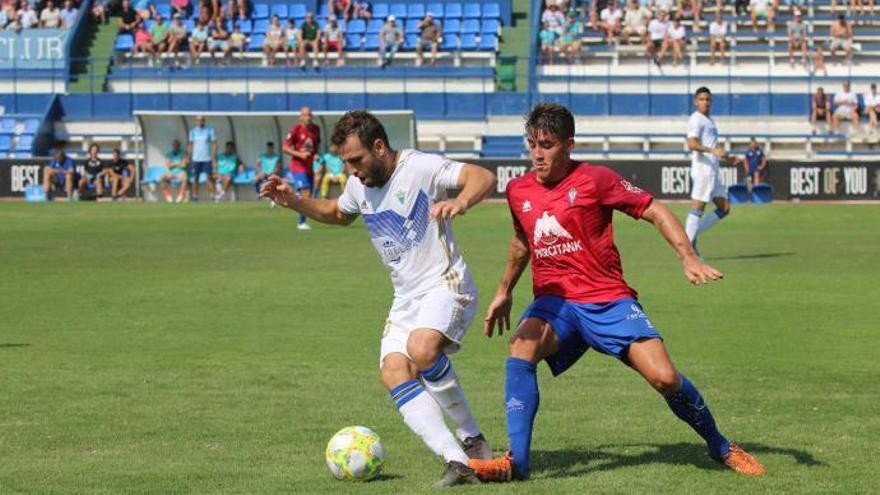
pixel 706 183
pixel 843 112
pixel 440 309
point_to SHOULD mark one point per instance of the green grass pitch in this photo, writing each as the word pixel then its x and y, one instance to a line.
pixel 215 349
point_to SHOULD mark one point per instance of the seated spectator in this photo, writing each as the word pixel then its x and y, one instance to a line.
pixel 390 39
pixel 60 172
pixel 7 13
pixel 657 29
pixel 762 9
pixel 861 4
pixel 100 11
pixel 596 6
pixel 548 37
pixel 340 8
pixel 794 5
pixel 755 164
pixel 68 15
pixel 145 9
pixel 128 18
pixel 841 37
pixel 268 164
pixel 362 10
pixel 610 19
pixel 158 38
pixel 667 5
pixel 141 39
pixel 871 100
pixel 429 36
pixel 846 107
pixel 175 169
pixel 692 9
pixel 274 41
pixel 717 39
pixel 198 40
pixel 819 104
pixel 4 20
pixel 819 59
pixel 310 40
pixel 237 41
pixel 228 166
pixel 293 41
pixel 26 17
pixel 180 7
pixel 333 40
pixel 635 21
pixel 740 7
pixel 96 172
pixel 177 35
pixel 121 176
pixel 570 43
pixel 554 17
pixel 219 41
pixel 675 38
pixel 207 12
pixel 333 170
pixel 797 39
pixel 50 17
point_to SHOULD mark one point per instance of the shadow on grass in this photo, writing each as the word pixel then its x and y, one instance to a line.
pixel 578 462
pixel 386 477
pixel 13 345
pixel 756 256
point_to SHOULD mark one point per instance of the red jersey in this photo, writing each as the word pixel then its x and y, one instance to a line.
pixel 303 138
pixel 568 227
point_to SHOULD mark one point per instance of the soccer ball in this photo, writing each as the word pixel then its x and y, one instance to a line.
pixel 355 453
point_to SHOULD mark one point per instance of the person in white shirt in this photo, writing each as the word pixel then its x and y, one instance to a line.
pixel 635 21
pixel 846 107
pixel 797 39
pixel 675 38
pixel 872 107
pixel 762 9
pixel 402 197
pixel 610 18
pixel 50 17
pixel 27 17
pixel 657 29
pixel 554 17
pixel 717 39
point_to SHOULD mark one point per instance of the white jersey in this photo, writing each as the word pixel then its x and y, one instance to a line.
pixel 419 253
pixel 703 128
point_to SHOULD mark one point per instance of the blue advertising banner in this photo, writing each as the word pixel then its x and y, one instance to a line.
pixel 34 49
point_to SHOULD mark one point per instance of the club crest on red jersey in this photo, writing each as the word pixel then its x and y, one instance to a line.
pixel 572 196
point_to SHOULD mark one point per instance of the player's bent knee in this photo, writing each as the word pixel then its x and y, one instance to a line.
pixel 396 369
pixel 424 346
pixel 665 380
pixel 534 340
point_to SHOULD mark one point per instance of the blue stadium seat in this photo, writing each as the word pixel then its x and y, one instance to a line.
pixel 278 9
pixel 415 11
pixel 5 143
pixel 256 43
pixel 411 41
pixel 450 42
pixel 25 142
pixel 470 26
pixel 491 11
pixel 124 43
pixel 469 42
pixel 762 194
pixel 356 26
pixel 324 10
pixel 472 10
pixel 149 23
pixel 261 11
pixel 190 25
pixel 260 26
pixel 31 126
pixel 164 10
pixel 7 125
pixel 489 42
pixel 454 11
pixel 246 26
pixel 436 9
pixel 738 194
pixel 154 174
pixel 371 42
pixel 452 26
pixel 298 10
pixel 380 11
pixel 245 178
pixel 412 26
pixel 490 26
pixel 353 42
pixel 375 26
pixel 398 10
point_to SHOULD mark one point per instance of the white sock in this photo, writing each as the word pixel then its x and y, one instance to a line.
pixel 708 221
pixel 424 417
pixel 442 383
pixel 692 224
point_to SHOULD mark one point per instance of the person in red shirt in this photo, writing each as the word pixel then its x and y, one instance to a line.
pixel 302 144
pixel 562 212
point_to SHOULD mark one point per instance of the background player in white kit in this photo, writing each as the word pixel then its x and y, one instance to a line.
pixel 402 197
pixel 706 186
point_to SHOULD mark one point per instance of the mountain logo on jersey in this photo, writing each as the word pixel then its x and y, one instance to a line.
pixel 547 236
pixel 393 234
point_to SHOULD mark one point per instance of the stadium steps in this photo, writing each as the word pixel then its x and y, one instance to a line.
pixel 512 73
pixel 96 56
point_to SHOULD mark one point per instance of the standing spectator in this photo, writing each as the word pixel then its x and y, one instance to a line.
pixel 717 39
pixel 657 29
pixel 429 35
pixel 237 41
pixel 762 9
pixel 68 15
pixel 819 104
pixel 121 176
pixel 60 172
pixel 310 40
pixel 334 170
pixel 871 101
pixel 846 107
pixel 180 7
pixel 100 9
pixel 675 38
pixel 841 37
pixel 96 172
pixel 363 10
pixel 797 39
pixel 554 17
pixel 635 21
pixel 610 18
pixel 145 9
pixel 198 41
pixel 4 19
pixel 175 169
pixel 340 8
pixel 201 149
pixel 390 38
pixel 50 17
pixel 268 164
pixel 691 9
pixel 141 40
pixel 570 44
pixel 274 41
pixel 158 38
pixel 238 9
pixel 128 18
pixel 220 40
pixel 334 39
pixel 294 39
pixel 177 36
pixel 228 166
pixel 754 164
pixel 548 37
pixel 301 144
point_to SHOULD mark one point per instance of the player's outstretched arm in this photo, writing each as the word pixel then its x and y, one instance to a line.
pixel 670 228
pixel 322 210
pixel 475 182
pixel 499 309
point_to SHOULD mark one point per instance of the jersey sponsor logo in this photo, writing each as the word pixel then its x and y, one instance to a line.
pixel 547 236
pixel 526 206
pixel 393 234
pixel 629 187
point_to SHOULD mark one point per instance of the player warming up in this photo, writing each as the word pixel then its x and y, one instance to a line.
pixel 402 196
pixel 562 212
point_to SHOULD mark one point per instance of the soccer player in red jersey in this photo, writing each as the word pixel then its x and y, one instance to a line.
pixel 302 144
pixel 562 212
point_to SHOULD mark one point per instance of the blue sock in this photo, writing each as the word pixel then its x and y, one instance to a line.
pixel 689 406
pixel 406 392
pixel 521 399
pixel 302 219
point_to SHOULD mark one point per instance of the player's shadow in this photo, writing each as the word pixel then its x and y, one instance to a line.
pixel 13 345
pixel 386 477
pixel 756 256
pixel 578 462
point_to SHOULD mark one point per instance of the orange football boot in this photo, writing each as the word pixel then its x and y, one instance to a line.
pixel 742 462
pixel 498 469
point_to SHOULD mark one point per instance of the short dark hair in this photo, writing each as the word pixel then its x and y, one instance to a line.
pixel 551 118
pixel 228 143
pixel 702 89
pixel 270 143
pixel 362 123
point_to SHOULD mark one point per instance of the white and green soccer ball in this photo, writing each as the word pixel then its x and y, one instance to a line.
pixel 355 453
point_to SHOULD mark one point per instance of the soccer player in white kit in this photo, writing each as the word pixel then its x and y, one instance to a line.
pixel 402 196
pixel 706 186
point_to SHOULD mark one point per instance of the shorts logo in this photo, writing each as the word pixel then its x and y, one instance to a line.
pixel 638 314
pixel 515 404
pixel 527 206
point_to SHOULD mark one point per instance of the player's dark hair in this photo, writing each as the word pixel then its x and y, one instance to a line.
pixel 269 143
pixel 551 118
pixel 361 123
pixel 702 89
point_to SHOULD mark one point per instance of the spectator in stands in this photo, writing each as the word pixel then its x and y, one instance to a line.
pixel 201 150
pixel 177 35
pixel 691 9
pixel 667 5
pixel 7 13
pixel 841 37
pixel 554 17
pixel 96 172
pixel 237 41
pixel 819 108
pixel 293 41
pixel 121 175
pixel 390 39
pixel 333 170
pixel 158 38
pixel 333 40
pixel 141 40
pixel 145 9
pixel 60 172
pixel 635 21
pixel 268 164
pixel 26 17
pixel 740 7
pixel 570 44
pixel 610 18
pixel 180 7
pixel 762 9
pixel 68 15
pixel 548 37
pixel 228 166
pixel 717 39
pixel 755 164
pixel 819 59
pixel 310 40
pixel 50 17
pixel 429 36
pixel 363 10
pixel 4 19
pixel 846 107
pixel 128 18
pixel 797 39
pixel 237 9
pixel 274 41
pixel 220 40
pixel 861 4
pixel 198 41
pixel 871 100
pixel 208 11
pixel 175 170
pixel 675 38
pixel 657 29
pixel 340 8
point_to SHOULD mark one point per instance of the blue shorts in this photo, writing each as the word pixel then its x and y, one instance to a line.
pixel 196 169
pixel 299 181
pixel 609 328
